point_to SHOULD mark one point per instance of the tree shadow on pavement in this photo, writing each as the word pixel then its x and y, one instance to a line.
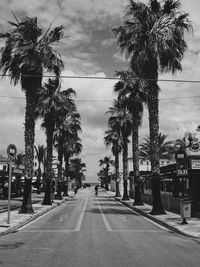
pixel 112 211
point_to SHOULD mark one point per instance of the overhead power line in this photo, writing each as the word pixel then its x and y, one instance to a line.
pixel 106 100
pixel 106 78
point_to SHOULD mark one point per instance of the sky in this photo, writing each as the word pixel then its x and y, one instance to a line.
pixel 90 50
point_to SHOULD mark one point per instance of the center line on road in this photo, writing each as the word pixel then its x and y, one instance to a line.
pixel 107 225
pixel 80 219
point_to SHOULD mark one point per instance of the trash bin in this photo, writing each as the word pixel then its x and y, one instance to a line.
pixel 185 208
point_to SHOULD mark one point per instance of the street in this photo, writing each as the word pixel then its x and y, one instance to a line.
pixel 97 231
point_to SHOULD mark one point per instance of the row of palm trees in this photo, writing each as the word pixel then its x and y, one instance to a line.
pixel 152 38
pixel 166 150
pixel 27 54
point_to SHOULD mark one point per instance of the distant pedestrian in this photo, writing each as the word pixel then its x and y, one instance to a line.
pixel 75 190
pixel 96 190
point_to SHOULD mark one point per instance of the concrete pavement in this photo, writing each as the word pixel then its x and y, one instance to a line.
pixel 171 220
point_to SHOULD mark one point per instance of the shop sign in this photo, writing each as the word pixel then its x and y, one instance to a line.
pixel 183 172
pixel 195 164
pixel 195 146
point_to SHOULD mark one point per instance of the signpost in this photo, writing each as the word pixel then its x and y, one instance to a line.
pixel 11 152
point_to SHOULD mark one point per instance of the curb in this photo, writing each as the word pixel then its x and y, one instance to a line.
pixel 160 222
pixel 31 218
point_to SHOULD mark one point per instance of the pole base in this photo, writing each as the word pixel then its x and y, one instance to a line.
pixel 184 221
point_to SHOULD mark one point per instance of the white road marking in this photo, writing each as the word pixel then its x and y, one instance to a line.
pixel 80 219
pixel 107 225
pixel 139 231
pixel 147 219
pixel 35 220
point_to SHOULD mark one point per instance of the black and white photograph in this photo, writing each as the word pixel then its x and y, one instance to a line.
pixel 99 133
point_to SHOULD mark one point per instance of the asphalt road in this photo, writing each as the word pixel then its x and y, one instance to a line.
pixel 96 231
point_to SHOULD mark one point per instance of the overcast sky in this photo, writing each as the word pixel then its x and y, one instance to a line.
pixel 91 51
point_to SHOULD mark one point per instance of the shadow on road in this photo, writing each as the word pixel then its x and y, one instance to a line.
pixel 112 211
pixel 11 246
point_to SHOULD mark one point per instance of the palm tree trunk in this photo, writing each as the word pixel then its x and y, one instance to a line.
pixel 39 179
pixel 106 180
pixel 117 175
pixel 125 169
pixel 60 159
pixel 135 151
pixel 29 137
pixel 48 175
pixel 154 155
pixel 65 193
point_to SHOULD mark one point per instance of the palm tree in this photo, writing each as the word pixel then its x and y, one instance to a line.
pixel 152 37
pixel 72 147
pixel 78 168
pixel 165 148
pixel 121 116
pixel 25 56
pixel 131 92
pixel 52 104
pixel 40 152
pixel 66 127
pixel 106 162
pixel 101 175
pixel 112 137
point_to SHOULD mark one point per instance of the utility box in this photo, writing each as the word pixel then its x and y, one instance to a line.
pixel 185 208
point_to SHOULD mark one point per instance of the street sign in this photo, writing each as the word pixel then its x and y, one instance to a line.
pixel 11 151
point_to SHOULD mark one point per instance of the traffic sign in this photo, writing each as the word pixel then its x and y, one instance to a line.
pixel 11 151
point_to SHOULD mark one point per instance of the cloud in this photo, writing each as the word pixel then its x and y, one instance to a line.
pixel 90 50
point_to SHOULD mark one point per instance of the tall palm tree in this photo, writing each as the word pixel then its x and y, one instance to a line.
pixel 152 37
pixel 101 176
pixel 106 162
pixel 121 116
pixel 25 56
pixel 78 168
pixel 40 152
pixel 52 104
pixel 72 147
pixel 131 92
pixel 112 137
pixel 67 127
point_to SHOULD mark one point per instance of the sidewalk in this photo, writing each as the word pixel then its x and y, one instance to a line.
pixel 170 220
pixel 18 220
